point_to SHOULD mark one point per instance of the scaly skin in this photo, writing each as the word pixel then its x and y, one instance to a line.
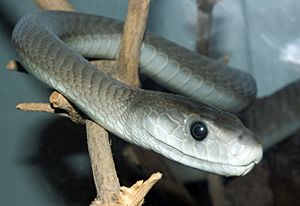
pixel 153 120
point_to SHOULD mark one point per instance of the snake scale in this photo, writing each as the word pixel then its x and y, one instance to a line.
pixel 51 46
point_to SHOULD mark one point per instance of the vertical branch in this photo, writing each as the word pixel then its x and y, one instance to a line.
pixel 205 8
pixel 134 28
pixel 102 162
pixel 216 189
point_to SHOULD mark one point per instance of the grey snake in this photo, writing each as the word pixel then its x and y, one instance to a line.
pixel 193 130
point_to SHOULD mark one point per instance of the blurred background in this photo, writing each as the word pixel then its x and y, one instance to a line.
pixel 43 158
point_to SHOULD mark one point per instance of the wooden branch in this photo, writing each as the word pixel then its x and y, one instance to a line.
pixel 105 176
pixel 134 28
pixel 205 8
pixel 12 65
pixel 35 107
pixel 216 189
pixel 58 101
pixel 58 105
pixel 136 193
pixel 106 66
pixel 63 5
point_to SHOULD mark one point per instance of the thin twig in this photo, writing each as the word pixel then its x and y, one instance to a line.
pixel 35 107
pixel 58 105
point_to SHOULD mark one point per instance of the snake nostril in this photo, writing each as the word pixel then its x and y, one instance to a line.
pixel 242 135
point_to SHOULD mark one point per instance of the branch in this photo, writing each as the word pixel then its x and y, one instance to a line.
pixel 106 180
pixel 136 193
pixel 134 28
pixel 58 105
pixel 62 5
pixel 105 176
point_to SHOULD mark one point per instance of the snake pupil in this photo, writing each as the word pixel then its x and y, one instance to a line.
pixel 199 130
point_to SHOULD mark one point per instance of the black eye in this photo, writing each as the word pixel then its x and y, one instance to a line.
pixel 199 130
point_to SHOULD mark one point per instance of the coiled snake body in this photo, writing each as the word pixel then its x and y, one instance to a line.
pixel 195 134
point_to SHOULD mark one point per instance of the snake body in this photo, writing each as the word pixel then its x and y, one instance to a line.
pixel 50 44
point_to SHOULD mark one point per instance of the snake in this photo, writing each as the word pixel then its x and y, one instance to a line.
pixel 195 127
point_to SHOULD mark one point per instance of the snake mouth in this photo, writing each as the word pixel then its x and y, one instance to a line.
pixel 249 167
pixel 203 164
pixel 222 168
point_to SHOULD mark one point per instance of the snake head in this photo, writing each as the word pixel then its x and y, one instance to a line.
pixel 199 136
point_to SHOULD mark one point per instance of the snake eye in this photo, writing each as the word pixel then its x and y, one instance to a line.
pixel 198 130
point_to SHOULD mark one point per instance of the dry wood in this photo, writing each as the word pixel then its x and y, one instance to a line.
pixel 106 66
pixel 105 176
pixel 136 193
pixel 134 28
pixel 63 5
pixel 12 65
pixel 106 180
pixel 35 107
pixel 58 105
